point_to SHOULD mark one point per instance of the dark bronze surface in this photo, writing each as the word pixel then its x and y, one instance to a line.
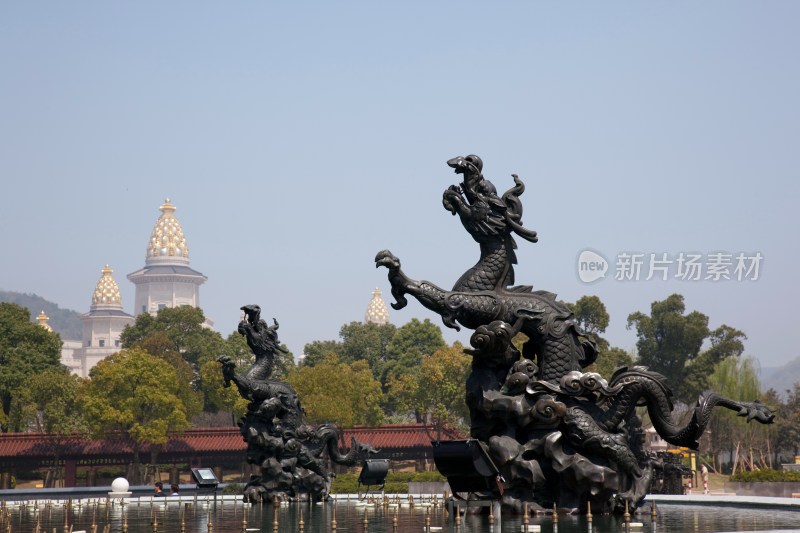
pixel 292 455
pixel 559 435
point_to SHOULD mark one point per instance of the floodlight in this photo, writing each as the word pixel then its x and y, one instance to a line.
pixel 205 478
pixel 467 466
pixel 373 472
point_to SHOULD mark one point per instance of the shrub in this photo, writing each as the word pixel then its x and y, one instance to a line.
pixel 233 488
pixel 766 475
pixel 396 483
pixel 344 484
pixel 428 477
pixel 30 474
pixel 110 472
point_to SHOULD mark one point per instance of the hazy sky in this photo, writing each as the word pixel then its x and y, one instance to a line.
pixel 297 139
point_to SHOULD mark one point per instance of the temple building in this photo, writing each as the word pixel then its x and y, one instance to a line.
pixel 166 279
pixel 102 327
pixel 377 312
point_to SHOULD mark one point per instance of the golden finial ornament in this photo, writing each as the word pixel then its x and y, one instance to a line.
pixel 167 242
pixel 42 320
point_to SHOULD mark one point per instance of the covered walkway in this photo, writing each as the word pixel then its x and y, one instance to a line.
pixel 210 447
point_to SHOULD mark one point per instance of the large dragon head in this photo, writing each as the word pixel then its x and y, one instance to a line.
pixel 252 314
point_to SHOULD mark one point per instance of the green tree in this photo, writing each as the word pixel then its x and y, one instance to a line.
pixel 410 344
pixel 315 352
pixel 359 341
pixel 158 344
pixel 436 393
pixel 184 327
pixel 670 342
pixel 725 342
pixel 590 314
pixel 335 391
pixel 748 443
pixel 593 319
pixel 134 394
pixel 47 403
pixel 26 349
pixel 609 360
pixel 387 349
pixel 773 400
pixel 368 342
pixel 788 421
pixel 217 396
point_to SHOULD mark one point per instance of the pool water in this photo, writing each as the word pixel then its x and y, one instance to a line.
pixel 189 515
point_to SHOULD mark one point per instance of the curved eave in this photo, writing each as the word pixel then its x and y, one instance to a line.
pixel 115 313
pixel 167 273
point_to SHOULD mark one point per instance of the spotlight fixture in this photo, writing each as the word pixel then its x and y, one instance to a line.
pixel 373 473
pixel 205 478
pixel 467 466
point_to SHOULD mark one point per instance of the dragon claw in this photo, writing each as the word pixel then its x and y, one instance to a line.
pixel 758 412
pixel 401 303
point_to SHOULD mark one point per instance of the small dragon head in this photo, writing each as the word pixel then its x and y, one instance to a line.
pixel 252 314
pixel 469 165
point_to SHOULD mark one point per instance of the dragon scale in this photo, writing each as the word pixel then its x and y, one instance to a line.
pixel 492 270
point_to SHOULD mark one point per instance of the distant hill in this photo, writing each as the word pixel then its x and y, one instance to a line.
pixel 65 322
pixel 781 378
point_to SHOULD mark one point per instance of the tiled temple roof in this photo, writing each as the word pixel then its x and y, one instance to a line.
pixel 194 440
pixel 398 436
pixel 199 442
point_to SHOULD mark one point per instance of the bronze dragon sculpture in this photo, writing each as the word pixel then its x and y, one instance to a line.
pixel 559 435
pixel 289 452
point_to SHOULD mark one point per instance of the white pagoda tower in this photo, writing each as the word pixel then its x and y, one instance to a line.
pixel 166 279
pixel 102 327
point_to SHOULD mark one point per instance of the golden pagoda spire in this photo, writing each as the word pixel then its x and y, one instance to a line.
pixel 167 207
pixel 42 320
pixel 106 293
pixel 167 243
pixel 377 312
